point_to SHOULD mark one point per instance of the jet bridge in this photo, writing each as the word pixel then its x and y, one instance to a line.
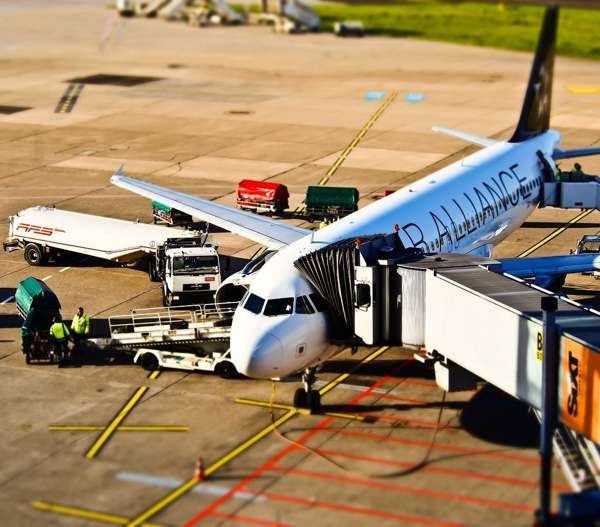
pixel 478 324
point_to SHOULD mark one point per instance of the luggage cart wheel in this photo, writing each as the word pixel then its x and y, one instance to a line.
pixel 226 370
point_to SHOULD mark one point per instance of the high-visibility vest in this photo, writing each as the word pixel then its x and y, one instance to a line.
pixel 59 331
pixel 81 324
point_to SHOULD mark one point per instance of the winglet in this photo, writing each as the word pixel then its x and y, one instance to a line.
pixel 117 175
pixel 535 114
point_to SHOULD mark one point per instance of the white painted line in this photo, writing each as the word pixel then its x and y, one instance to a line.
pixel 7 300
pixel 64 269
pixel 46 278
pixel 173 483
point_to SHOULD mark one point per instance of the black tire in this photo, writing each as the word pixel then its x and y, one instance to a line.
pixel 152 271
pixel 226 370
pixel 33 254
pixel 313 401
pixel 149 362
pixel 27 358
pixel 167 297
pixel 300 398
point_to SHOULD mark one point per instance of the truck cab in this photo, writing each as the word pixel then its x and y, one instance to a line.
pixel 188 267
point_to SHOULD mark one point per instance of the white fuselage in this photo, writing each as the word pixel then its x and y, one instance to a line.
pixel 467 207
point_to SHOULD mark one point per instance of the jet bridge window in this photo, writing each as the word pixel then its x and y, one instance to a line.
pixel 303 306
pixel 279 306
pixel 254 304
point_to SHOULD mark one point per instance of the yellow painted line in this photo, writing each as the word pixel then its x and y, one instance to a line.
pixel 83 513
pixel 154 374
pixel 301 411
pixel 190 484
pixel 108 431
pixel 346 152
pixel 97 428
pixel 556 233
pixel 341 378
pixel 584 89
pixel 227 458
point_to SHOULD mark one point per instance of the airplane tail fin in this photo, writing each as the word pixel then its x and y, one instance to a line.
pixel 535 114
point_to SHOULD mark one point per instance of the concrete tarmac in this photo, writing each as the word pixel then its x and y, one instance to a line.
pixel 213 106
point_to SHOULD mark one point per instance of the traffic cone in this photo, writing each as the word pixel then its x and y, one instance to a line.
pixel 199 470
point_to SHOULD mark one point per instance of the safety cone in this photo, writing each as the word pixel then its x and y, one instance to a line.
pixel 199 470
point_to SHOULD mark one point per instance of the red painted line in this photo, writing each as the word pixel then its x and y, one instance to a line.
pixel 246 519
pixel 354 509
pixel 426 444
pixel 210 509
pixel 405 489
pixel 403 399
pixel 470 474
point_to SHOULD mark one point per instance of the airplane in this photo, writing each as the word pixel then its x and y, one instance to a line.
pixel 282 327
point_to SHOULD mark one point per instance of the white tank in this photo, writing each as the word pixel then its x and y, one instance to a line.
pixel 107 238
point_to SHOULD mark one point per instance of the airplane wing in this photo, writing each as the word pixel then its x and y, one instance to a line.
pixel 469 138
pixel 266 231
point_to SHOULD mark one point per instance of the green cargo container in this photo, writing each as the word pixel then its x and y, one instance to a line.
pixel 328 202
pixel 164 214
pixel 37 304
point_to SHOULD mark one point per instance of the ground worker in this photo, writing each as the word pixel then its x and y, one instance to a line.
pixel 576 175
pixel 80 327
pixel 60 336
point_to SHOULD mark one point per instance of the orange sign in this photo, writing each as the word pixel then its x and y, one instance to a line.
pixel 581 388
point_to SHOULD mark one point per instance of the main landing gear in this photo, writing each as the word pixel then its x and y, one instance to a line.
pixel 306 397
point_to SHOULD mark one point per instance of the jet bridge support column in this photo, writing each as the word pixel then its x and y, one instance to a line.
pixel 550 368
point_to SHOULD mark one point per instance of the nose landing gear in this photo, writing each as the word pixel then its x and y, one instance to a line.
pixel 306 397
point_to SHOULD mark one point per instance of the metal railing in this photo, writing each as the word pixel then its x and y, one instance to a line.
pixel 178 317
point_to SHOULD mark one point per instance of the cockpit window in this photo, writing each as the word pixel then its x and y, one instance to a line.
pixel 303 306
pixel 279 306
pixel 318 301
pixel 254 304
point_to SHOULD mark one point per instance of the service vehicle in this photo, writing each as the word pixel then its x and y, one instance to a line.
pixel 193 338
pixel 262 196
pixel 330 203
pixel 37 305
pixel 169 216
pixel 183 260
pixel 590 243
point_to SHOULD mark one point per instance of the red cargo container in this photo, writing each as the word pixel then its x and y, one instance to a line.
pixel 262 196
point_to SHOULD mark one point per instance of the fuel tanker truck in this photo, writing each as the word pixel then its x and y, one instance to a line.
pixel 183 260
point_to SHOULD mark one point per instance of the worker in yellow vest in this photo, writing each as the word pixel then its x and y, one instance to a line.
pixel 80 326
pixel 59 333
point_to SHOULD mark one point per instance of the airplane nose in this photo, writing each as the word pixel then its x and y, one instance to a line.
pixel 261 360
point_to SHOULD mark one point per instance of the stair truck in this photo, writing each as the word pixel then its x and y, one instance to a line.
pixel 331 203
pixel 183 260
pixel 37 305
pixel 262 196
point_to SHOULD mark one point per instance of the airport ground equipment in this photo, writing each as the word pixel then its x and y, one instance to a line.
pixel 589 244
pixel 125 7
pixel 352 28
pixel 288 16
pixel 262 196
pixel 186 267
pixel 37 305
pixel 169 216
pixel 325 202
pixel 185 337
pixel 182 260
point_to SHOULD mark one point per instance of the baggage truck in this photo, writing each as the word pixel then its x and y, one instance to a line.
pixel 37 305
pixel 262 196
pixel 330 202
pixel 183 260
pixel 170 216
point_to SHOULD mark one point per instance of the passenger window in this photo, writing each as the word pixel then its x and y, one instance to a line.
pixel 318 302
pixel 303 306
pixel 254 304
pixel 279 306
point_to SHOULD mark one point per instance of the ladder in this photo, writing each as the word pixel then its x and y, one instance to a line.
pixel 579 457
